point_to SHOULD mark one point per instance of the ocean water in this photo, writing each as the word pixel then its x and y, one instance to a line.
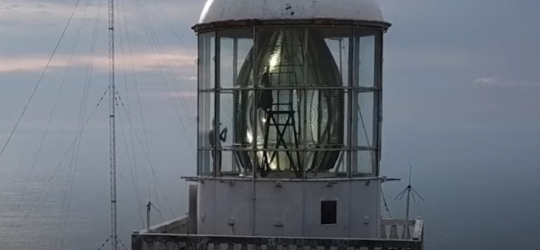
pixel 480 188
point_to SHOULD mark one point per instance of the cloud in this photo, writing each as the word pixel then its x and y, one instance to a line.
pixel 40 12
pixel 494 81
pixel 31 27
pixel 142 61
pixel 44 19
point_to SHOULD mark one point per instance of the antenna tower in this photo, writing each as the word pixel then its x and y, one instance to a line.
pixel 411 192
pixel 112 128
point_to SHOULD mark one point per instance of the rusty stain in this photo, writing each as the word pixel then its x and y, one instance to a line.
pixel 288 7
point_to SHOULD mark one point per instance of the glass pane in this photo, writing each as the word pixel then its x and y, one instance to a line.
pixel 280 54
pixel 326 162
pixel 340 168
pixel 227 113
pixel 337 41
pixel 226 118
pixel 229 164
pixel 364 162
pixel 365 118
pixel 240 128
pixel 244 48
pixel 324 129
pixel 205 117
pixel 205 162
pixel 290 117
pixel 240 163
pixel 206 62
pixel 234 48
pixel 226 73
pixel 243 117
pixel 366 61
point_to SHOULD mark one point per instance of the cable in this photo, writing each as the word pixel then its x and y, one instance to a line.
pixel 385 204
pixel 152 38
pixel 365 134
pixel 138 96
pixel 75 153
pixel 169 23
pixel 137 194
pixel 145 154
pixel 148 26
pixel 40 79
pixel 54 105
pixel 122 243
pixel 132 164
pixel 154 41
pixel 9 229
pixel 103 245
pixel 32 168
pixel 73 49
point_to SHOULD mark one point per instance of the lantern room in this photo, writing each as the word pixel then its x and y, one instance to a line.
pixel 289 129
pixel 288 89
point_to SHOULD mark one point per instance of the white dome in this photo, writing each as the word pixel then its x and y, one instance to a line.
pixel 231 10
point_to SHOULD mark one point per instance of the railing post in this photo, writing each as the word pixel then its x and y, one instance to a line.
pixel 136 241
pixel 418 232
pixel 192 213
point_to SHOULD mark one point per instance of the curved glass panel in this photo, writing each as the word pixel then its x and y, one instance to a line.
pixel 295 108
pixel 205 61
pixel 299 102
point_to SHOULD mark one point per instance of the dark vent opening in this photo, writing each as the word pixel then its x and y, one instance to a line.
pixel 328 212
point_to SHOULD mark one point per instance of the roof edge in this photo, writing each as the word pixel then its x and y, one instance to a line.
pixel 237 24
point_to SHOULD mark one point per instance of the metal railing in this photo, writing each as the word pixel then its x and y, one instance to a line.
pixel 174 226
pixel 214 242
pixel 402 229
pixel 395 234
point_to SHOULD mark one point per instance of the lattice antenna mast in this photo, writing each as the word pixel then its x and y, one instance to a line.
pixel 411 192
pixel 112 128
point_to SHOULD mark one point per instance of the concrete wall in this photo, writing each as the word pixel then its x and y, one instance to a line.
pixel 292 208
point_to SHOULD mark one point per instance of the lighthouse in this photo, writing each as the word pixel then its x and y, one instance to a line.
pixel 289 129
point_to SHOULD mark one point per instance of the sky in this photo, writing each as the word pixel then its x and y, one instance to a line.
pixel 448 65
pixel 461 80
pixel 445 61
pixel 452 66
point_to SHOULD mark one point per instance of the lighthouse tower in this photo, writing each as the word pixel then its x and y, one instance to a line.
pixel 289 118
pixel 289 130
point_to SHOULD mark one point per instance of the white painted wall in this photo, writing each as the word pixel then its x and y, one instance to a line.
pixel 296 204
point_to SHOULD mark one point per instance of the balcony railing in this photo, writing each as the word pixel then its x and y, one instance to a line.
pixel 402 229
pixel 175 226
pixel 173 235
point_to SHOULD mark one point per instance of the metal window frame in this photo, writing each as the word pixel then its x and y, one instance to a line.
pixel 351 88
pixel 217 119
pixel 378 103
pixel 204 74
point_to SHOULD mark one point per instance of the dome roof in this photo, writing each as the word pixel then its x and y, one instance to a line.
pixel 236 10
